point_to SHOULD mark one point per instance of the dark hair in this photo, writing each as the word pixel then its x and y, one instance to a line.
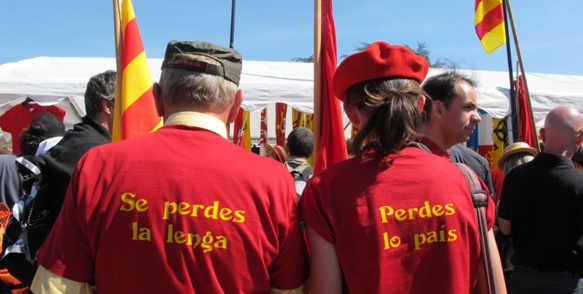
pixel 42 127
pixel 100 86
pixel 393 115
pixel 578 156
pixel 300 142
pixel 30 138
pixel 442 88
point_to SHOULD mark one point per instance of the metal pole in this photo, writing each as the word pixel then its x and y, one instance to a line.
pixel 513 108
pixel 232 42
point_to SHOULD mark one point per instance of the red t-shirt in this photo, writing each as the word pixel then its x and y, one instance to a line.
pixel 17 118
pixel 406 225
pixel 182 210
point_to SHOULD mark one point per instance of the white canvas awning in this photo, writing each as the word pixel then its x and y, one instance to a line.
pixel 48 80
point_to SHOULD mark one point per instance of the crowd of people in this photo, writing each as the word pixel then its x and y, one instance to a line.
pixel 183 210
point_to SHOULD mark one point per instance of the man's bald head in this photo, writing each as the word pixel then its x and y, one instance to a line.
pixel 564 117
pixel 562 130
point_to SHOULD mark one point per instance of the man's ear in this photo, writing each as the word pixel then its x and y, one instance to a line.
pixel 157 92
pixel 437 109
pixel 235 105
pixel 542 134
pixel 107 106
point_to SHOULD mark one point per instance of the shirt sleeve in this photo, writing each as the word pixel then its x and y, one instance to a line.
pixel 504 203
pixel 66 252
pixel 313 212
pixel 45 282
pixel 289 269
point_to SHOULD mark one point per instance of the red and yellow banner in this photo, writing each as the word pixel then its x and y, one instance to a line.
pixel 489 23
pixel 281 111
pixel 263 136
pixel 298 119
pixel 242 133
pixel 135 110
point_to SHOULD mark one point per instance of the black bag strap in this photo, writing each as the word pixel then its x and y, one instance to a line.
pixel 480 200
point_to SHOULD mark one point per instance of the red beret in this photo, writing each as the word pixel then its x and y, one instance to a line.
pixel 379 60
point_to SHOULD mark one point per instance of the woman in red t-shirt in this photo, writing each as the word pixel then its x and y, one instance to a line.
pixel 394 218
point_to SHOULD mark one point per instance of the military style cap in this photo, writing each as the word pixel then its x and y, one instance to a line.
pixel 184 55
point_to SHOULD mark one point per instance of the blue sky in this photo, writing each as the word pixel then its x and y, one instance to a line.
pixel 549 32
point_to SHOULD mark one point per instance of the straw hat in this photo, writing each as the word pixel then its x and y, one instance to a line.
pixel 279 150
pixel 516 147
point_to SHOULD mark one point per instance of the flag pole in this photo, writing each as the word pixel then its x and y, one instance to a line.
pixel 118 52
pixel 317 76
pixel 232 40
pixel 513 106
pixel 521 65
pixel 118 39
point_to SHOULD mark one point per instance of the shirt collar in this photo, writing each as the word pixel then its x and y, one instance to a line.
pixel 435 149
pixel 199 120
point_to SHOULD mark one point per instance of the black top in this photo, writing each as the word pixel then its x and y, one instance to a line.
pixel 462 154
pixel 62 159
pixel 543 200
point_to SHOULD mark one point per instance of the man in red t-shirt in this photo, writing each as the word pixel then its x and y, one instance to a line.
pixel 181 210
pixel 450 117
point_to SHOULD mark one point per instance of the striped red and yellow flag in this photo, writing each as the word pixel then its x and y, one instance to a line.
pixel 135 110
pixel 489 23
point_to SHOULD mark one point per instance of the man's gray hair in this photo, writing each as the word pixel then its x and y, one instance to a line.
pixel 181 86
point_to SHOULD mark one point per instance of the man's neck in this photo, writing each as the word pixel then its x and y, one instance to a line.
pixel 436 139
pixel 104 120
pixel 300 159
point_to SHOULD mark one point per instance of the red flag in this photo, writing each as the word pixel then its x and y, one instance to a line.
pixel 135 111
pixel 281 110
pixel 489 23
pixel 527 133
pixel 328 127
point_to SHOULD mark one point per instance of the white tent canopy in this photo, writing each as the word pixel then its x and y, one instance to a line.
pixel 48 80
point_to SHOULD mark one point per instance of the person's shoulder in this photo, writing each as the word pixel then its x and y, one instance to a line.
pixel 127 147
pixel 423 155
pixel 7 157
